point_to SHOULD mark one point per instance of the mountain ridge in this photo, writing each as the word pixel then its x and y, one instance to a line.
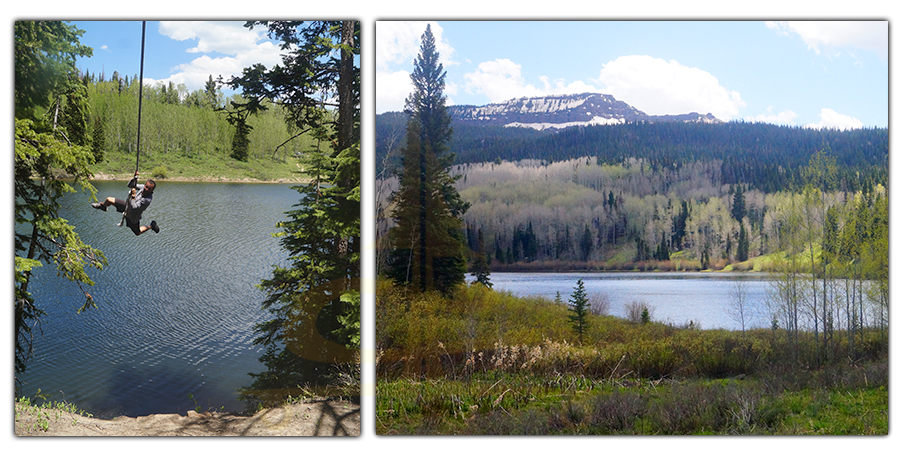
pixel 566 110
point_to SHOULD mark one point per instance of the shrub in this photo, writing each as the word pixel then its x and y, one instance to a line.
pixel 638 311
pixel 159 171
pixel 600 303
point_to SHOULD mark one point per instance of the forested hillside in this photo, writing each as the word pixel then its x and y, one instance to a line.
pixel 184 133
pixel 764 156
pixel 668 195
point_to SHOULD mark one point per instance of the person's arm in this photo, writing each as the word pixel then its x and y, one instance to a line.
pixel 133 182
pixel 139 203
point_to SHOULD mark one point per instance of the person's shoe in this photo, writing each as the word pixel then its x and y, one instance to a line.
pixel 100 206
pixel 154 226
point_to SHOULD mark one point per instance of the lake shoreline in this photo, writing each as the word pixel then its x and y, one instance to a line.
pixel 201 179
pixel 575 270
pixel 313 417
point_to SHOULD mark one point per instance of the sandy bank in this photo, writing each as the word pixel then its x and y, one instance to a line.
pixel 322 417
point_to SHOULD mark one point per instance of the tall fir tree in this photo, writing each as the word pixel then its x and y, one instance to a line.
pixel 738 204
pixel 743 245
pixel 427 242
pixel 578 309
pixel 315 333
pixel 481 268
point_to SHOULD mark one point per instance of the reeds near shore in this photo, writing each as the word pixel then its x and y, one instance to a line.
pixel 486 362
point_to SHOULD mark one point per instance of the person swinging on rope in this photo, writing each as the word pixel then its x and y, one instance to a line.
pixel 138 200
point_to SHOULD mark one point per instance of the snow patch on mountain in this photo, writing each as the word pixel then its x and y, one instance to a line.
pixel 557 112
pixel 549 125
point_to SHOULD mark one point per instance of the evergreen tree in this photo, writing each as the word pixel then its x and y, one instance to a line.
pixel 738 204
pixel 316 300
pixel 743 245
pixel 586 243
pixel 662 249
pixel 45 53
pixel 240 142
pixel 481 269
pixel 427 245
pixel 578 309
pixel 211 92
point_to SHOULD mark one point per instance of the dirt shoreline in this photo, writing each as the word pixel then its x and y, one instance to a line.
pixel 311 418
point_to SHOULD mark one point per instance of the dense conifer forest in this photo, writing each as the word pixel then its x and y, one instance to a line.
pixel 765 156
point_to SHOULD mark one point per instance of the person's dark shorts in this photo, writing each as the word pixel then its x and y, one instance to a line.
pixel 134 226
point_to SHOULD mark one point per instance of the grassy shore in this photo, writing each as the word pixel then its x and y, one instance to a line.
pixel 199 168
pixel 486 362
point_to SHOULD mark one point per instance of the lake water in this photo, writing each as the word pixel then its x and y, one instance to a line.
pixel 176 309
pixel 679 297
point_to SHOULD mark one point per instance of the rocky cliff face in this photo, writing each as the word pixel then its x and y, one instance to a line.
pixel 564 111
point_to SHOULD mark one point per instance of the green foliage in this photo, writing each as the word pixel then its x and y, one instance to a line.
pixel 484 361
pixel 159 171
pixel 316 301
pixel 98 139
pixel 427 242
pixel 45 412
pixel 315 334
pixel 578 309
pixel 45 54
pixel 738 204
pixel 743 246
pixel 318 57
pixel 45 149
pixel 520 404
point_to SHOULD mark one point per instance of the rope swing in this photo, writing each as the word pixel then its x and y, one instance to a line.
pixel 137 161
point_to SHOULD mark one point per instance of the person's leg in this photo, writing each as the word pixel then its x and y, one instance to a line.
pixel 110 201
pixel 137 229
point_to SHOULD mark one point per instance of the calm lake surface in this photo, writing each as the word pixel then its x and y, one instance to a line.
pixel 678 298
pixel 176 309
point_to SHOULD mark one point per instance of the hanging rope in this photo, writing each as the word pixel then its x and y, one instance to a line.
pixel 137 160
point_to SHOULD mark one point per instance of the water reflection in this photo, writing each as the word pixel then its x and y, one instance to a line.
pixel 678 297
pixel 174 327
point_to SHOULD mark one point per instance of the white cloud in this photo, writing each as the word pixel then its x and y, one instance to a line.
pixel 502 79
pixel 397 44
pixel 226 37
pixel 819 35
pixel 229 47
pixel 829 119
pixel 658 87
pixel 391 89
pixel 785 117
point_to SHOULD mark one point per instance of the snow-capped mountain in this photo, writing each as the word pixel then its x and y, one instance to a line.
pixel 564 111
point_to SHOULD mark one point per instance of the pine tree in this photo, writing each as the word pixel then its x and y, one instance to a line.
pixel 738 204
pixel 586 243
pixel 743 245
pixel 211 92
pixel 481 268
pixel 315 332
pixel 578 309
pixel 427 243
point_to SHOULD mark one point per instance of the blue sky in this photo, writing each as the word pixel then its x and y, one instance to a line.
pixel 819 74
pixel 183 52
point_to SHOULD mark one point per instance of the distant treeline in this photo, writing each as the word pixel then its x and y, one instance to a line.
pixel 178 122
pixel 762 156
